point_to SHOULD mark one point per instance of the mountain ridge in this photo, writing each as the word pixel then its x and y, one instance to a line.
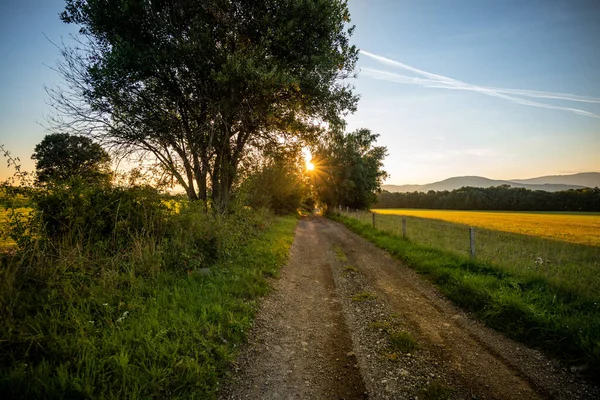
pixel 549 183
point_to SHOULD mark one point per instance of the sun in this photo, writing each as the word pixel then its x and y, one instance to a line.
pixel 310 166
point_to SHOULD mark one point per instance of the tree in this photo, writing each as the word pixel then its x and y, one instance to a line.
pixel 195 83
pixel 61 158
pixel 349 169
pixel 279 185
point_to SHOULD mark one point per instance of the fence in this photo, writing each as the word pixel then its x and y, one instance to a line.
pixel 566 264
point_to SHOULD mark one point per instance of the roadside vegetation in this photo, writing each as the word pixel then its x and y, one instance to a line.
pixel 572 267
pixel 146 320
pixel 558 315
pixel 124 291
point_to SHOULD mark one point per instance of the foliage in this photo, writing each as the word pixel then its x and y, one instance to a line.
pixel 348 169
pixel 402 341
pixel 95 213
pixel 82 321
pixel 195 84
pixel 436 390
pixel 279 185
pixel 495 198
pixel 525 307
pixel 62 158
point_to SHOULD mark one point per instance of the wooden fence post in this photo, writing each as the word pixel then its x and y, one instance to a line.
pixel 472 241
pixel 357 214
pixel 403 226
pixel 347 210
pixel 373 219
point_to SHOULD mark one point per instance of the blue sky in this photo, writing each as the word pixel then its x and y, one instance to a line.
pixel 503 89
pixel 454 129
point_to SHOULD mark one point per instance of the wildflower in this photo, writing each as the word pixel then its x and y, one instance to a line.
pixel 539 261
pixel 91 322
pixel 104 304
pixel 122 317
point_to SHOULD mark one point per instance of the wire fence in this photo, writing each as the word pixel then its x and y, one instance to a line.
pixel 568 265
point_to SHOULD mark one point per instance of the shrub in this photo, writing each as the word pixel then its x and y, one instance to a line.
pixel 97 214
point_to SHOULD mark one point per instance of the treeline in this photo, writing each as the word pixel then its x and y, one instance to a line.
pixel 502 198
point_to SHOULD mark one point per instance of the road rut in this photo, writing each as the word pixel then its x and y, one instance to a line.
pixel 325 334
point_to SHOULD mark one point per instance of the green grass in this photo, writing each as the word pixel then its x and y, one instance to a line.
pixel 124 327
pixel 402 341
pixel 383 325
pixel 399 341
pixel 572 267
pixel 528 307
pixel 436 390
pixel 339 253
pixel 363 296
pixel 350 268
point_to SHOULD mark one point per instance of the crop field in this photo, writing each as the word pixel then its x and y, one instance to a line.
pixel 580 228
pixel 528 245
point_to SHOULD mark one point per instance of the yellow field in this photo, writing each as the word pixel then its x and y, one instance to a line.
pixel 574 228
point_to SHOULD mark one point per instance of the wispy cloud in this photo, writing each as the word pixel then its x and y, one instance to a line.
pixel 431 80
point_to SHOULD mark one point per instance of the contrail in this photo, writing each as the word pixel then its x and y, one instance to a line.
pixel 431 80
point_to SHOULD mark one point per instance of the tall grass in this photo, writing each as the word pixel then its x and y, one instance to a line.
pixel 84 320
pixel 561 318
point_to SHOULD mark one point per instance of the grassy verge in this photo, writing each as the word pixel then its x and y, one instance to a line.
pixel 573 267
pixel 527 308
pixel 129 328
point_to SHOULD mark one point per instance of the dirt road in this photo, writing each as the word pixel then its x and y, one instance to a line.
pixel 347 321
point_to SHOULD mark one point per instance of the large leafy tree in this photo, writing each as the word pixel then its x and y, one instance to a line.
pixel 195 83
pixel 62 158
pixel 349 170
pixel 279 183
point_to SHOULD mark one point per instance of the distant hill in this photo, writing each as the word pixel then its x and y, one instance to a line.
pixel 552 183
pixel 587 179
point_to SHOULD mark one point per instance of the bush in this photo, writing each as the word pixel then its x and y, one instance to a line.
pixel 97 214
pixel 278 186
pixel 196 239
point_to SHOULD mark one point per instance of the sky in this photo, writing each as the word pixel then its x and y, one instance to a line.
pixel 501 89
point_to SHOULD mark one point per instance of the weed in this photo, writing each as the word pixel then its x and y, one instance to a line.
pixel 339 253
pixel 350 268
pixel 363 296
pixel 382 325
pixel 392 356
pixel 436 390
pixel 402 341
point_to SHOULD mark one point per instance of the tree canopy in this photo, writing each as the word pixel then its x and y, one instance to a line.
pixel 61 158
pixel 496 198
pixel 195 83
pixel 348 169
